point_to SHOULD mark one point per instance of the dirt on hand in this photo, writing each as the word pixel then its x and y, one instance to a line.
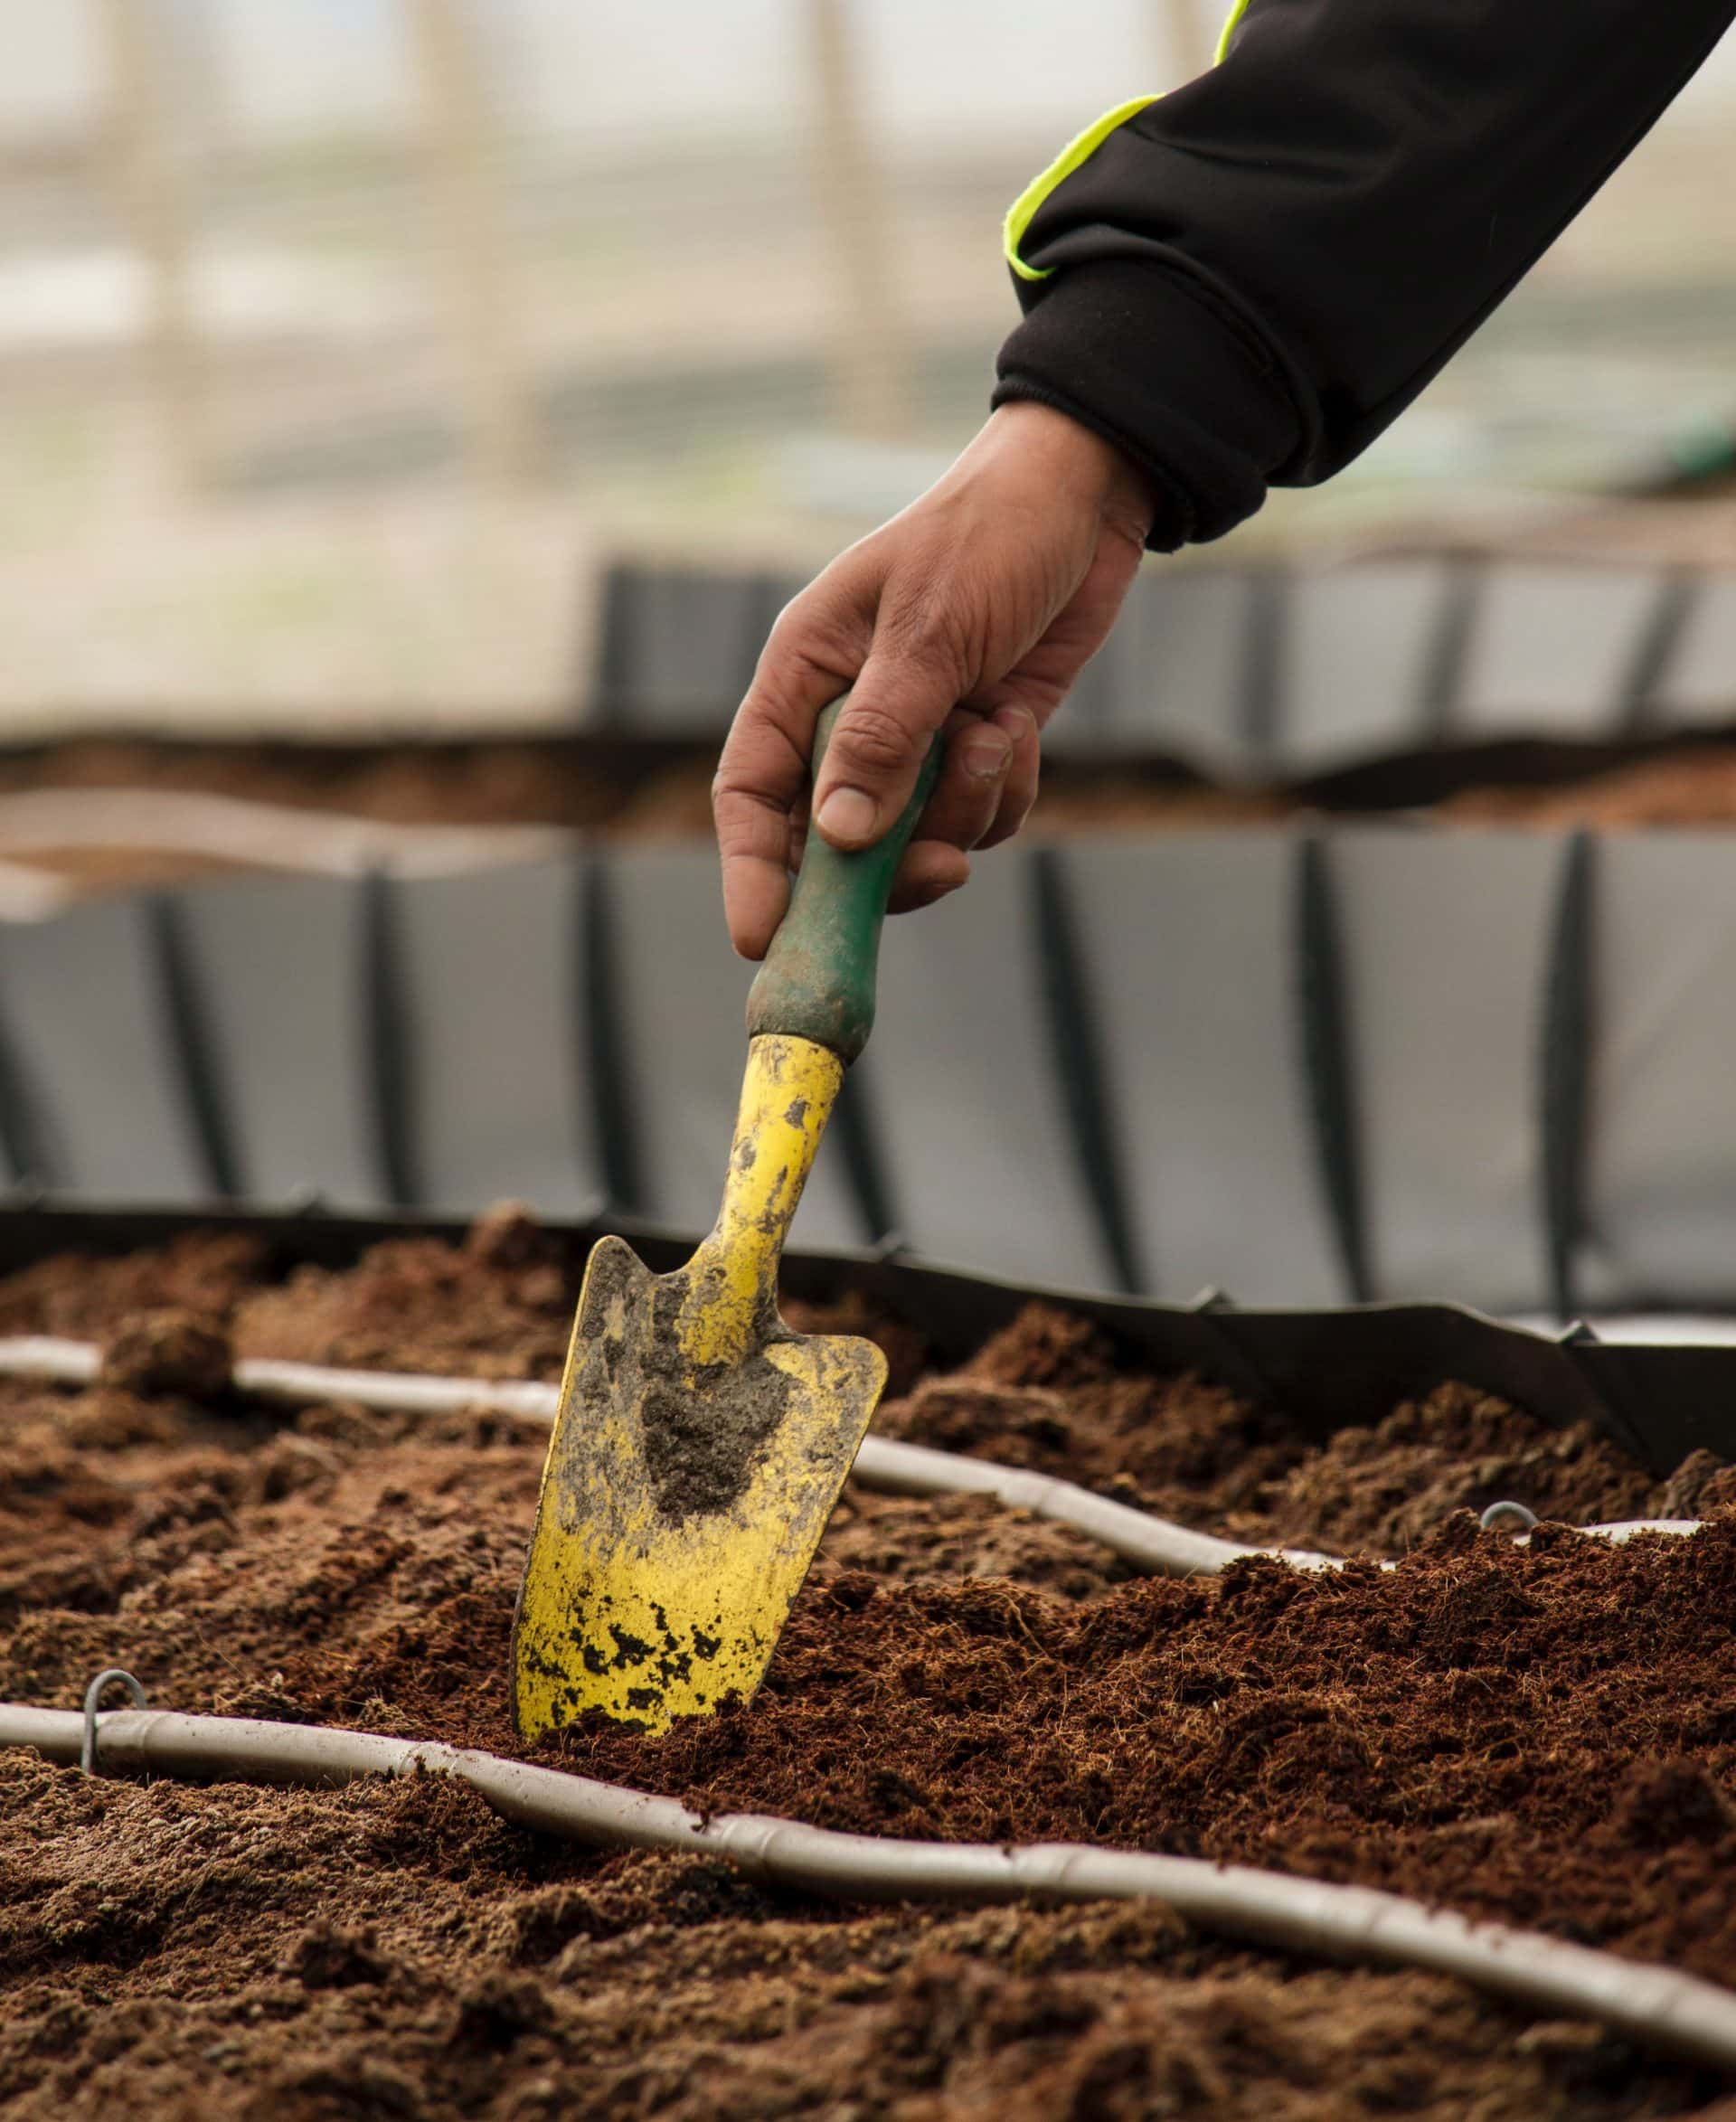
pixel 1544 1736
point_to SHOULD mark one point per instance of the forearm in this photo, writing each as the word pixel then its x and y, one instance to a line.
pixel 1244 283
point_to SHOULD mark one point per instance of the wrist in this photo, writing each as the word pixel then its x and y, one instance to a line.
pixel 1082 461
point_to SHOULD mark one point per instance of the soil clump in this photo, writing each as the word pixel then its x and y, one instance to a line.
pixel 1544 1736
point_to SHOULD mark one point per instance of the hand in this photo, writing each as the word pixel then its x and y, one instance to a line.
pixel 973 611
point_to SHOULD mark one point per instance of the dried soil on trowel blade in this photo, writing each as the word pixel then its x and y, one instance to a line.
pixel 1545 1736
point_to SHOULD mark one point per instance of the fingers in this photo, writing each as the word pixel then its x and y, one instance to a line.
pixel 906 690
pixel 991 589
pixel 969 807
pixel 930 870
pixel 814 651
pixel 988 784
pixel 967 791
pixel 1024 771
pixel 967 804
pixel 753 841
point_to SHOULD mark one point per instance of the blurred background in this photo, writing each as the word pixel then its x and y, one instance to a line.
pixel 413 415
pixel 339 339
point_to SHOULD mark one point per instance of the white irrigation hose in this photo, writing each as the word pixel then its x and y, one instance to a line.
pixel 883 1463
pixel 1153 1543
pixel 1651 2004
pixel 47 1356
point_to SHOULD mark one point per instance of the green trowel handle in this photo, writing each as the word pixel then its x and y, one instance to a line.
pixel 817 981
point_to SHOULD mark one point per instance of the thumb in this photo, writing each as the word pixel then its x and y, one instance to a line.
pixel 892 716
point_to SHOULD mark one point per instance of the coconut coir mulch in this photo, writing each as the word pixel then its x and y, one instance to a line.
pixel 1546 1737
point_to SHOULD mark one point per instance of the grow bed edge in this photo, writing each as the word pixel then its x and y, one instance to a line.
pixel 1329 1369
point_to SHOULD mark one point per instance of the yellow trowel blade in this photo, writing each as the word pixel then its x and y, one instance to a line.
pixel 681 1504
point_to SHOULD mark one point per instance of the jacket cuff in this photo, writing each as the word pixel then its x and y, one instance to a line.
pixel 1175 381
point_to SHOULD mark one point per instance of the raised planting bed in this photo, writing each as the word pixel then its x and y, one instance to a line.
pixel 100 814
pixel 1267 670
pixel 1486 1066
pixel 1540 1736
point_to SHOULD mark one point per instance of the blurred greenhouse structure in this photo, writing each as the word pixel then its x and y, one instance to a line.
pixel 338 337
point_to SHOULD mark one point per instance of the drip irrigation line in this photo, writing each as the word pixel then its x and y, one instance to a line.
pixel 1654 2005
pixel 110 1676
pixel 1156 1544
pixel 885 1464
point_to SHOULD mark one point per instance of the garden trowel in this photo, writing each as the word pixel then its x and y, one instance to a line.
pixel 700 1444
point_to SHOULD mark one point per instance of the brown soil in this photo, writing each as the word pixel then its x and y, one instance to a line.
pixel 1546 1736
pixel 643 792
pixel 1689 788
pixel 636 790
pixel 486 783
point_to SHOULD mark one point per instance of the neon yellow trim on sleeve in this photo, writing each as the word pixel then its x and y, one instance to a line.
pixel 1023 211
pixel 1236 14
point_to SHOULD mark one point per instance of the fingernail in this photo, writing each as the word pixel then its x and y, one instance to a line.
pixel 1015 720
pixel 987 756
pixel 848 814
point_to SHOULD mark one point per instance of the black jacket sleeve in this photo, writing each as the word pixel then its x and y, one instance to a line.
pixel 1246 281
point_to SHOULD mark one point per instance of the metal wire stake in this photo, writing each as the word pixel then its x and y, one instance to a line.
pixel 93 1695
pixel 1515 1517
